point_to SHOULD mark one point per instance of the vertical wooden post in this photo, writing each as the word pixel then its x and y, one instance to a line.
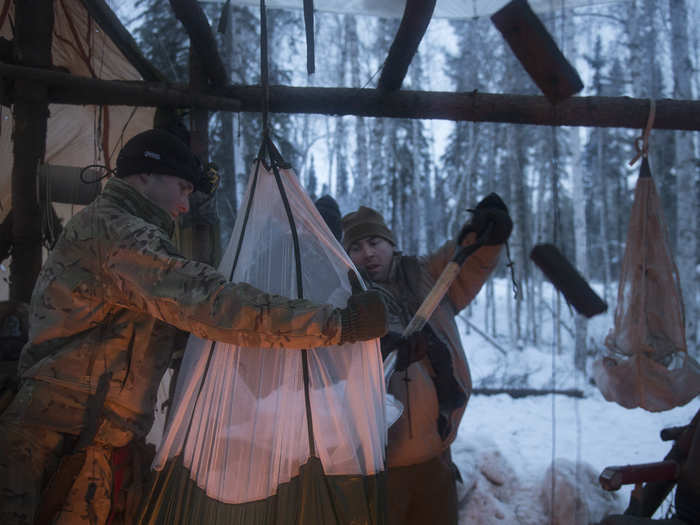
pixel 228 169
pixel 202 246
pixel 33 35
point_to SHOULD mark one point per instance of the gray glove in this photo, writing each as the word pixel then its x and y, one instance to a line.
pixel 364 317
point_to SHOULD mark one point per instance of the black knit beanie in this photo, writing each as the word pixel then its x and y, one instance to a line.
pixel 160 152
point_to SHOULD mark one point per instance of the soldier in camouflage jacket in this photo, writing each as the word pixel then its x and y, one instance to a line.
pixel 100 313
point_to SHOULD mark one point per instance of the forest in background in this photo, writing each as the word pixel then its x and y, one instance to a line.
pixel 568 186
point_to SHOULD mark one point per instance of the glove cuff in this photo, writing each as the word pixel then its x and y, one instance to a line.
pixel 349 318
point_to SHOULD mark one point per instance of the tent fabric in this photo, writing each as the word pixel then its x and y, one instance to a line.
pixel 648 365
pixel 76 135
pixel 237 437
pixel 454 9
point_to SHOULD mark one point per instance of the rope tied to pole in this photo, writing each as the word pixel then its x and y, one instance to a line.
pixel 641 143
pixel 264 69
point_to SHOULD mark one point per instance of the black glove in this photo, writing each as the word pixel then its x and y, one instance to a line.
pixel 493 212
pixel 411 349
pixel 364 317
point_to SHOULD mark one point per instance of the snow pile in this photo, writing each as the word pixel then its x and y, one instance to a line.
pixel 574 496
pixel 506 447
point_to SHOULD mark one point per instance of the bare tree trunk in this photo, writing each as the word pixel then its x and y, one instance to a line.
pixel 580 244
pixel 229 156
pixel 377 171
pixel 604 226
pixel 556 231
pixel 520 212
pixel 686 172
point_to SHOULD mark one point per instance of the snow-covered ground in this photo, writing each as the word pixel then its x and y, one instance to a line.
pixel 505 445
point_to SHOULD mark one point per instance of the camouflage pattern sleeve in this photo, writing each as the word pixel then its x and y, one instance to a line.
pixel 149 275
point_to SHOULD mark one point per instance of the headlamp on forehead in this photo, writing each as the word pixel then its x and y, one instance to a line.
pixel 210 179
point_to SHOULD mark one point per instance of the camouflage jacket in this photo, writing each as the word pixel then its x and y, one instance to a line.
pixel 102 301
pixel 433 422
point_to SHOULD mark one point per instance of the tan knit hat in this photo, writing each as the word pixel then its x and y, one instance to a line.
pixel 365 222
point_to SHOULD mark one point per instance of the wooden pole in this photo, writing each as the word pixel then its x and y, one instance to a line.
pixel 202 41
pixel 416 17
pixel 202 248
pixel 65 88
pixel 33 32
pixel 604 112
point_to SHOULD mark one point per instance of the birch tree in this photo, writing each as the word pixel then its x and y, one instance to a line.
pixel 581 243
pixel 685 170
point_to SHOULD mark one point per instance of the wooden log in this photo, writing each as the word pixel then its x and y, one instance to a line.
pixel 612 478
pixel 605 112
pixel 202 229
pixel 525 392
pixel 644 502
pixel 566 279
pixel 72 89
pixel 536 50
pixel 33 35
pixel 309 29
pixel 201 39
pixel 415 20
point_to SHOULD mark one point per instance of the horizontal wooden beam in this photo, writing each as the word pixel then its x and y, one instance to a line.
pixel 610 112
pixel 616 112
pixel 80 91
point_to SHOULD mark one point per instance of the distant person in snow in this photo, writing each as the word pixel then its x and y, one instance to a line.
pixel 98 340
pixel 432 379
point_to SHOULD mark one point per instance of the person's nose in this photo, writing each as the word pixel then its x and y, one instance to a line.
pixel 367 252
pixel 184 204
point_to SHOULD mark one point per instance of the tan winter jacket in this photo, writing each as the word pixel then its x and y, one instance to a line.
pixel 102 300
pixel 410 281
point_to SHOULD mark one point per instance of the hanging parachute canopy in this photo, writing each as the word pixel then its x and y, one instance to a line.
pixel 258 435
pixel 649 366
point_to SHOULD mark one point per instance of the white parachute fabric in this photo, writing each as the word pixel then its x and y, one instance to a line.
pixel 648 365
pixel 238 420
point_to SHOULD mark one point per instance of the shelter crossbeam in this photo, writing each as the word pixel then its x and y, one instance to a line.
pixel 620 112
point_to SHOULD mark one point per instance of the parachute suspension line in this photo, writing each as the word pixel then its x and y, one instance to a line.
pixel 556 225
pixel 230 278
pixel 254 185
pixel 276 161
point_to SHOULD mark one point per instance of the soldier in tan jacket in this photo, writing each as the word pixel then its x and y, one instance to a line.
pixel 99 341
pixel 432 379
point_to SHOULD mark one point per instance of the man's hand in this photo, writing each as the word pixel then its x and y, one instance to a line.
pixel 491 211
pixel 364 317
pixel 411 349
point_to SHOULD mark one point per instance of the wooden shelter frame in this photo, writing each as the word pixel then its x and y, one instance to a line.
pixel 209 90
